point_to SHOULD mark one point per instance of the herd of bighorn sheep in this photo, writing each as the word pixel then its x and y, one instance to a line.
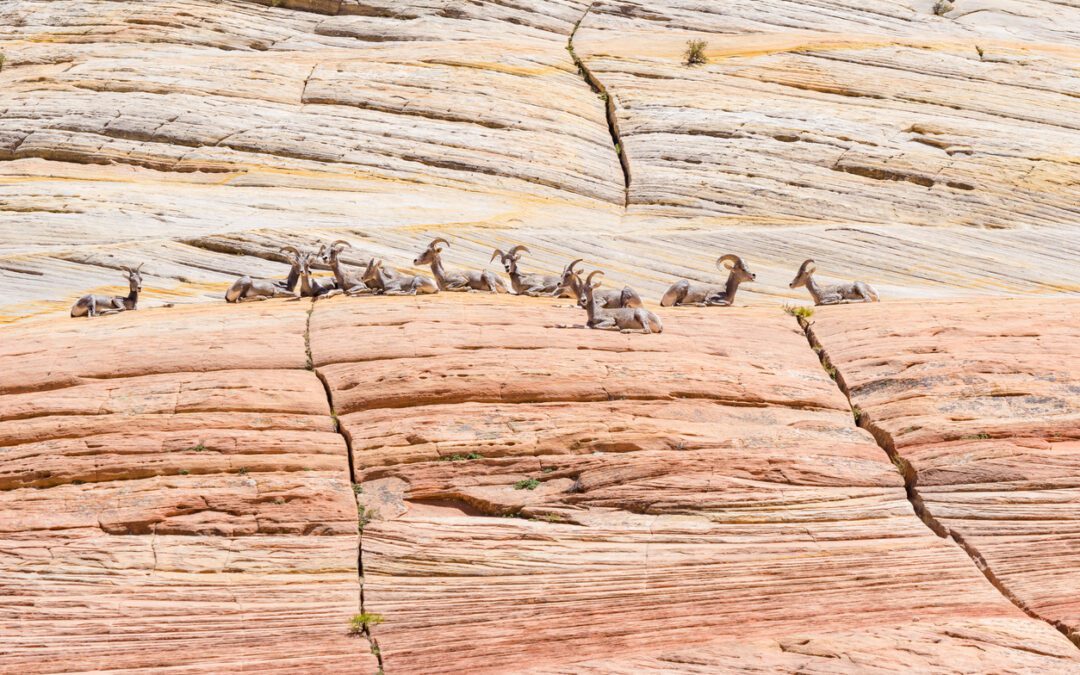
pixel 607 309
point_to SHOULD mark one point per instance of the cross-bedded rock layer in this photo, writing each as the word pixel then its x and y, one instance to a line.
pixel 983 402
pixel 173 495
pixel 545 497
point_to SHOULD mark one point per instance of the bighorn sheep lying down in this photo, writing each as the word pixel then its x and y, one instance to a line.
pixel 99 305
pixel 345 283
pixel 835 294
pixel 246 288
pixel 685 293
pixel 309 286
pixel 458 281
pixel 625 319
pixel 379 281
pixel 533 285
pixel 606 299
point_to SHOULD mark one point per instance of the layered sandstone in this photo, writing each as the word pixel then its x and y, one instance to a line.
pixel 551 498
pixel 173 494
pixel 982 405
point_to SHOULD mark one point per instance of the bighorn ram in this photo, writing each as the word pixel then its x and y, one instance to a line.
pixel 533 285
pixel 607 299
pixel 99 305
pixel 246 288
pixel 458 281
pixel 376 278
pixel 835 294
pixel 310 287
pixel 685 293
pixel 625 319
pixel 347 284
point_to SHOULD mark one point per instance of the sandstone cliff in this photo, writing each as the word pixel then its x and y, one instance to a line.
pixel 222 488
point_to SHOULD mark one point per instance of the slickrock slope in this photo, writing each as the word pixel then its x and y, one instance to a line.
pixel 550 498
pixel 981 403
pixel 173 495
pixel 866 113
pixel 180 133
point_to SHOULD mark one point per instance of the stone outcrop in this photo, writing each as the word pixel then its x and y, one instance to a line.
pixel 173 494
pixel 544 497
pixel 980 404
pixel 221 488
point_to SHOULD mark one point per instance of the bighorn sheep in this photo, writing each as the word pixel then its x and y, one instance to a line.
pixel 246 288
pixel 99 305
pixel 606 299
pixel 685 293
pixel 311 287
pixel 376 278
pixel 533 285
pixel 347 284
pixel 625 319
pixel 458 281
pixel 835 294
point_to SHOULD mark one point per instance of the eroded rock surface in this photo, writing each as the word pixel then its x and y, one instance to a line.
pixel 173 494
pixel 983 402
pixel 569 500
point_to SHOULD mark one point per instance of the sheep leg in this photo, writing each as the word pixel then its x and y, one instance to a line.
pixel 605 324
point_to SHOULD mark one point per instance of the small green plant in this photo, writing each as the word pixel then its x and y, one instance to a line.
pixel 361 623
pixel 197 448
pixel 551 518
pixel 364 516
pixel 548 469
pixel 2 59
pixel 78 482
pixel 242 471
pixel 975 437
pixel 602 96
pixel 857 412
pixel 695 52
pixel 461 458
pixel 357 489
pixel 277 3
pixel 527 484
pixel 942 7
pixel 799 311
pixel 184 472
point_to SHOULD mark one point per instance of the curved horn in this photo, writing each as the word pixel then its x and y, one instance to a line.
pixel 588 280
pixel 140 266
pixel 438 240
pixel 291 249
pixel 519 247
pixel 735 261
pixel 340 242
pixel 126 268
pixel 808 266
pixel 570 267
pixel 497 254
